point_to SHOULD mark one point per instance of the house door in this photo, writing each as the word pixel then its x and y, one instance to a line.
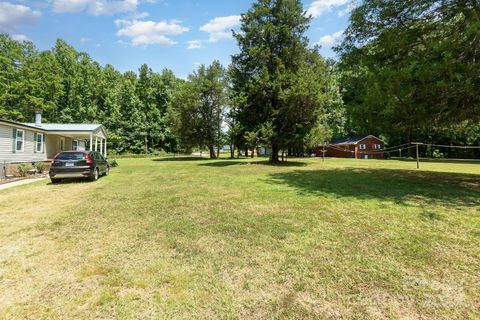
pixel 61 144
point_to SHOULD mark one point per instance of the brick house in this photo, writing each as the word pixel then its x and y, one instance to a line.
pixel 362 147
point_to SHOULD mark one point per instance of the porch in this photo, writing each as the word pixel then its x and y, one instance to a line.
pixel 75 137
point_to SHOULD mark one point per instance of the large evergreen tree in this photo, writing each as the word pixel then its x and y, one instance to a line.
pixel 272 75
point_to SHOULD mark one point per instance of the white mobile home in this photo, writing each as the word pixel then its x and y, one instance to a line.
pixel 36 142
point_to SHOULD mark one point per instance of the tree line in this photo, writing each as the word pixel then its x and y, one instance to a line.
pixel 70 87
pixel 407 71
pixel 410 72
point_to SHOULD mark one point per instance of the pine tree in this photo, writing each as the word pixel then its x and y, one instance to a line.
pixel 268 74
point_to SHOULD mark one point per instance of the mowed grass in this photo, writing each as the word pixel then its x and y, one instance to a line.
pixel 239 239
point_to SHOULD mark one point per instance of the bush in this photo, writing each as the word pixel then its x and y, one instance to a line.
pixel 113 163
pixel 41 167
pixel 436 154
pixel 23 169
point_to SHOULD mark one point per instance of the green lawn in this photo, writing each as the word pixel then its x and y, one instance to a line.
pixel 235 239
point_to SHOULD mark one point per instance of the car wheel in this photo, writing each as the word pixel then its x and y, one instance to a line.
pixel 94 175
pixel 107 171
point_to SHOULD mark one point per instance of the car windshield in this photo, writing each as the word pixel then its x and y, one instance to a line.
pixel 71 156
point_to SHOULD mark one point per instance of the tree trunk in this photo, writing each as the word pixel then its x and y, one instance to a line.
pixel 218 152
pixel 232 151
pixel 212 152
pixel 274 155
pixel 146 146
pixel 253 153
pixel 246 152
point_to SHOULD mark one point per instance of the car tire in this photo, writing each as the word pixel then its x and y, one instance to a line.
pixel 107 171
pixel 95 175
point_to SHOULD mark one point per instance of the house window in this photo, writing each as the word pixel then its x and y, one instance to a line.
pixel 363 147
pixel 39 143
pixel 377 146
pixel 20 141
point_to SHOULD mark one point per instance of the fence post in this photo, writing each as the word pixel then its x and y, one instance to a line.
pixel 418 156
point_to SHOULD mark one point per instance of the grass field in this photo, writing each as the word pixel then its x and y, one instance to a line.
pixel 235 239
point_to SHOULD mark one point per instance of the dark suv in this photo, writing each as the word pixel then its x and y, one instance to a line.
pixel 78 164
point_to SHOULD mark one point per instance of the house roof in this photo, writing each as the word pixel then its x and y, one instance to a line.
pixel 18 124
pixel 72 129
pixel 65 126
pixel 352 140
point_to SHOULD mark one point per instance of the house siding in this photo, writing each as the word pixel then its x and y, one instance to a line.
pixel 353 150
pixel 28 155
pixel 370 150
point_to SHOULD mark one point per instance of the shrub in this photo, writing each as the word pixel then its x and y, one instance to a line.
pixel 113 163
pixel 41 167
pixel 436 154
pixel 23 169
pixel 12 171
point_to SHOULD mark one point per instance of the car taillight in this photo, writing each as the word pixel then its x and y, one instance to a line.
pixel 53 160
pixel 89 160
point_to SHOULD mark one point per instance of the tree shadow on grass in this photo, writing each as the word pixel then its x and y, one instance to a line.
pixel 446 161
pixel 183 158
pixel 232 162
pixel 222 163
pixel 400 186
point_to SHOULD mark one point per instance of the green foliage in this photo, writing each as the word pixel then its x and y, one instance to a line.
pixel 411 68
pixel 317 135
pixel 68 86
pixel 23 169
pixel 113 163
pixel 436 154
pixel 251 139
pixel 198 108
pixel 276 78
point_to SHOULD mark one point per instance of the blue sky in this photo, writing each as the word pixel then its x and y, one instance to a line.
pixel 174 34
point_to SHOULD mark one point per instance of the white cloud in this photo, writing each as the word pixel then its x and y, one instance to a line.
pixel 351 6
pixel 195 44
pixel 84 40
pixel 330 39
pixel 13 16
pixel 95 7
pixel 20 37
pixel 318 7
pixel 220 27
pixel 150 32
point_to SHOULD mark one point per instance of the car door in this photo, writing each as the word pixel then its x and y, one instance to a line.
pixel 103 162
pixel 100 162
pixel 94 157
